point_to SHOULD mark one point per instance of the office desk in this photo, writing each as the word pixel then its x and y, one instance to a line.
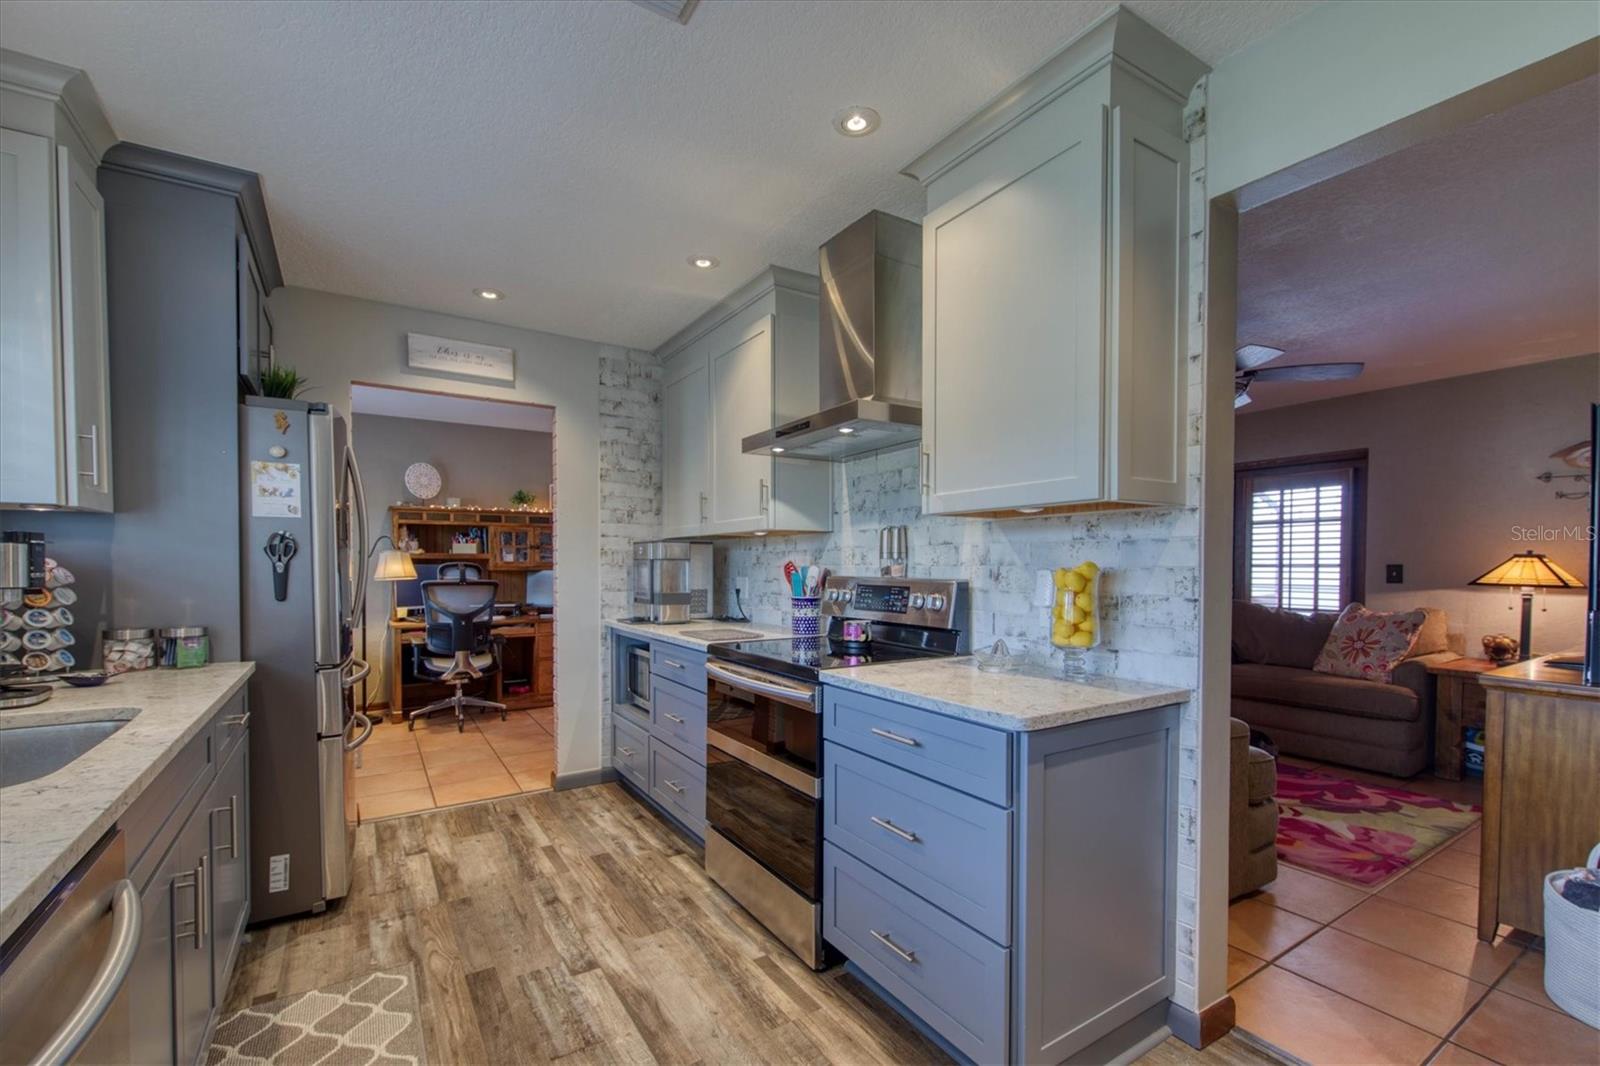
pixel 529 649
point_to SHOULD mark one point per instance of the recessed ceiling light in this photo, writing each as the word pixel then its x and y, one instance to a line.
pixel 847 429
pixel 761 532
pixel 856 121
pixel 776 449
pixel 1029 510
pixel 704 262
pixel 489 294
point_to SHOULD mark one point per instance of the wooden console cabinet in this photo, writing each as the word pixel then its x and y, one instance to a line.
pixel 1541 810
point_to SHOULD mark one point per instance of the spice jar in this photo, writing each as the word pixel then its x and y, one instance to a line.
pixel 129 649
pixel 185 646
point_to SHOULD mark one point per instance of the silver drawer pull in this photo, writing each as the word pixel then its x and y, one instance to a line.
pixel 628 752
pixel 674 786
pixel 883 938
pixel 904 834
pixel 896 737
pixel 672 717
pixel 672 664
pixel 240 720
pixel 232 811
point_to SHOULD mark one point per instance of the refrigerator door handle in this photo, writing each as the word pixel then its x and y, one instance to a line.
pixel 358 553
pixel 330 702
pixel 359 674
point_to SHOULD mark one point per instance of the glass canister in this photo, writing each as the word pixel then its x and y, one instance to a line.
pixel 1075 618
pixel 185 646
pixel 128 649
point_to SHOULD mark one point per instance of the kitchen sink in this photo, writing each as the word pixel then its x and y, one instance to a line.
pixel 718 636
pixel 30 752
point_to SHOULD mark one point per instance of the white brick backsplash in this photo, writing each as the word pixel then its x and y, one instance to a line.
pixel 630 489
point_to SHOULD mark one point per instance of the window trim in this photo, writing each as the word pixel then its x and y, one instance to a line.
pixel 1244 474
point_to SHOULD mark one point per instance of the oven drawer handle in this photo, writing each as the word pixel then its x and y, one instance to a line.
pixel 896 737
pixel 669 716
pixel 883 938
pixel 904 834
pixel 803 695
pixel 673 785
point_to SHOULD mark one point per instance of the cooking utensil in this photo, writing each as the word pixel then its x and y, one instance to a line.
pixel 280 548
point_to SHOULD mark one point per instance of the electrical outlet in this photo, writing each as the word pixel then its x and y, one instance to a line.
pixel 741 597
pixel 1394 574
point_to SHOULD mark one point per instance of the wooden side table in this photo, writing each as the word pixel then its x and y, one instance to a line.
pixel 1458 703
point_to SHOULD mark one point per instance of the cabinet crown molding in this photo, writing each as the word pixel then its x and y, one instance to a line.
pixel 1120 37
pixel 773 277
pixel 68 88
pixel 243 185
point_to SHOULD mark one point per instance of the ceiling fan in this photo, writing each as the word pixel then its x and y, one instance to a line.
pixel 1248 360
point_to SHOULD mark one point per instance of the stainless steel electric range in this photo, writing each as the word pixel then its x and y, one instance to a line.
pixel 764 740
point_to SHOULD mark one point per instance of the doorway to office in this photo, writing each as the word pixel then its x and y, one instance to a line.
pixel 456 487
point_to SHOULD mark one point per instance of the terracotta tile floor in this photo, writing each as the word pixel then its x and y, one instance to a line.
pixel 403 771
pixel 1334 973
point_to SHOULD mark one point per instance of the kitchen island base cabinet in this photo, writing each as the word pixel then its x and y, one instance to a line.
pixel 1054 939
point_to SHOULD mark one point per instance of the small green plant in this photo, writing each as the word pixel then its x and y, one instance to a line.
pixel 283 382
pixel 522 498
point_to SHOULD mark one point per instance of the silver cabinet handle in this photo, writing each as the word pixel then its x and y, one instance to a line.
pixel 674 786
pixel 883 938
pixel 702 507
pixel 240 720
pixel 232 809
pixel 904 834
pixel 927 466
pixel 202 893
pixel 672 717
pixel 194 879
pixel 766 496
pixel 127 919
pixel 672 664
pixel 896 737
pixel 628 752
pixel 93 437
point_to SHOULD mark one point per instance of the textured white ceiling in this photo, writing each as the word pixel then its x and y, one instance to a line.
pixel 575 153
pixel 1474 251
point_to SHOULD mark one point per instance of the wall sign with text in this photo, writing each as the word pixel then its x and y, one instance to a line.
pixel 459 357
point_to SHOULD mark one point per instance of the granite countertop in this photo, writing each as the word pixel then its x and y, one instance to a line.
pixel 687 636
pixel 1026 700
pixel 49 823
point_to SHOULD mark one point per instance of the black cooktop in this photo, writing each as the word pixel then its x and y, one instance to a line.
pixel 806 657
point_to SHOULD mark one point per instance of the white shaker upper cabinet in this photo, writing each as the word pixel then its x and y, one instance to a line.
pixel 746 365
pixel 55 389
pixel 1053 266
pixel 685 446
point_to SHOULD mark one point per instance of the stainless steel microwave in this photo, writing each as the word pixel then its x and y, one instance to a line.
pixel 638 679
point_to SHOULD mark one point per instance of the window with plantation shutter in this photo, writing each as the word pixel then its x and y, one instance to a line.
pixel 1298 535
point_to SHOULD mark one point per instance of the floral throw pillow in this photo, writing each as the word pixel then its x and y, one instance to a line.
pixel 1369 644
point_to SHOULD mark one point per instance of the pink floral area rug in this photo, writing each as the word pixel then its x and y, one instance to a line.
pixel 1356 832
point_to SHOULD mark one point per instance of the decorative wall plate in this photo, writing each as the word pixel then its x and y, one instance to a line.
pixel 422 481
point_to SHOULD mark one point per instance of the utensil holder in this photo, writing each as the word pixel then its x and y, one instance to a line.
pixel 805 616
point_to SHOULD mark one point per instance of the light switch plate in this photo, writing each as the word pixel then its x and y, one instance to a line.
pixel 1394 574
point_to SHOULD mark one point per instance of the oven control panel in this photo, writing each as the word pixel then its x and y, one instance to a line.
pixel 935 603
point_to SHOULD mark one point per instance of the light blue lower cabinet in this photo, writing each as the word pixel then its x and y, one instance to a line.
pixel 951 977
pixel 1035 929
pixel 630 752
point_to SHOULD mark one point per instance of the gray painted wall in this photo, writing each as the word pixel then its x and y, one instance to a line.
pixel 482 465
pixel 335 340
pixel 1451 485
pixel 169 555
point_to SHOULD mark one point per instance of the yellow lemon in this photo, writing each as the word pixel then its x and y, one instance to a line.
pixel 1087 569
pixel 1075 581
pixel 1079 615
pixel 1081 640
pixel 1061 632
pixel 1086 625
pixel 1063 576
pixel 1084 600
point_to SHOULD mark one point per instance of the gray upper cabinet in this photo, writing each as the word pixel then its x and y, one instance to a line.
pixel 743 367
pixel 1053 264
pixel 55 411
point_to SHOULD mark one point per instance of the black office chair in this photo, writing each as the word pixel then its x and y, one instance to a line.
pixel 460 571
pixel 458 645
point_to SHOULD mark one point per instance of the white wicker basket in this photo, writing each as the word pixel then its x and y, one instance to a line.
pixel 1572 951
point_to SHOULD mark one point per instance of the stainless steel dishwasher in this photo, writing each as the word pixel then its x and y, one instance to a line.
pixel 62 971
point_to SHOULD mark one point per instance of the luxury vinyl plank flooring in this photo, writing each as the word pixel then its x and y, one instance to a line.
pixel 576 927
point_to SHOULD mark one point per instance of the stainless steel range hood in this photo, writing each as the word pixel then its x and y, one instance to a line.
pixel 871 337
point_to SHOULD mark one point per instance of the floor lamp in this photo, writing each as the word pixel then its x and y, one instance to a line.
pixel 1528 571
pixel 393 565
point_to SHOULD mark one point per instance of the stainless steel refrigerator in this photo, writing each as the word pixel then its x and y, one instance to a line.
pixel 304 532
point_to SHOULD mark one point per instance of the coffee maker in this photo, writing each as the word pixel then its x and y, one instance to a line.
pixel 21 569
pixel 672 581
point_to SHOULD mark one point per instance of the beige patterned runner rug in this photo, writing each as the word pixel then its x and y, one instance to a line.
pixel 368 1021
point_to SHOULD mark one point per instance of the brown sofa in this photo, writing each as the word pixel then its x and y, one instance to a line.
pixel 1386 728
pixel 1252 814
